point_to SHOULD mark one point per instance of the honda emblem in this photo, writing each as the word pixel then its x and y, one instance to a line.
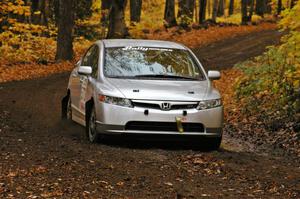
pixel 165 106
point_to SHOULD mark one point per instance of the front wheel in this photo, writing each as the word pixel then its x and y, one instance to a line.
pixel 66 108
pixel 69 109
pixel 91 130
pixel 213 143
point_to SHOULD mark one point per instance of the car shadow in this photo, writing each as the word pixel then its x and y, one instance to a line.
pixel 157 142
pixel 165 142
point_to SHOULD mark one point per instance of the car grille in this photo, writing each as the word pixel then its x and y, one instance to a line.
pixel 157 106
pixel 183 106
pixel 163 126
pixel 145 105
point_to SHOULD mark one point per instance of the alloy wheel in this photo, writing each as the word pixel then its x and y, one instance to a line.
pixel 69 109
pixel 92 127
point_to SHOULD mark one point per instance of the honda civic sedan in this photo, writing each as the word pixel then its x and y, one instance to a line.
pixel 144 87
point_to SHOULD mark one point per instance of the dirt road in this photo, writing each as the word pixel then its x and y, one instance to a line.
pixel 40 156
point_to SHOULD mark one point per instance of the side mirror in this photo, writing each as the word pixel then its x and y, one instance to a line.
pixel 84 70
pixel 214 75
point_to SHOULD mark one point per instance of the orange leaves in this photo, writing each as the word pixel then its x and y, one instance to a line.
pixel 17 7
pixel 198 38
pixel 29 71
pixel 226 86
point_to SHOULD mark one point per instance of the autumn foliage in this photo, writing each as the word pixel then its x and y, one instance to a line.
pixel 272 81
pixel 267 91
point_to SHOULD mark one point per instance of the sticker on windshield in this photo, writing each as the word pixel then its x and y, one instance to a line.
pixel 146 48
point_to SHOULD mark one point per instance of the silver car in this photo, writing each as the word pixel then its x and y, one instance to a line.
pixel 144 87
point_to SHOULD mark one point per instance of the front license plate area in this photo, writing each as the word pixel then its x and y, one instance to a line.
pixel 179 121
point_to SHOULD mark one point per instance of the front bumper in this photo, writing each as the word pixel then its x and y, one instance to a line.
pixel 112 119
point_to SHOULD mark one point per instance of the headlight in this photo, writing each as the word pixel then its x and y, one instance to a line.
pixel 115 101
pixel 207 104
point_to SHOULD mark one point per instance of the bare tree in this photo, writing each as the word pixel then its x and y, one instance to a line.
pixel 221 8
pixel 135 10
pixel 64 49
pixel 231 7
pixel 186 7
pixel 209 8
pixel 247 9
pixel 169 15
pixel 105 8
pixel 40 11
pixel 251 10
pixel 279 7
pixel 268 6
pixel 117 27
pixel 292 3
pixel 244 11
pixel 215 10
pixel 260 7
pixel 202 10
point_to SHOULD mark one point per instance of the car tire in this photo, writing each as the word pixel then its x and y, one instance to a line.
pixel 91 131
pixel 69 110
pixel 214 143
pixel 66 113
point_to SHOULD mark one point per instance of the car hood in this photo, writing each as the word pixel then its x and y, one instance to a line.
pixel 161 89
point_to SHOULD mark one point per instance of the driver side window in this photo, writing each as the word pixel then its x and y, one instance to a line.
pixel 91 58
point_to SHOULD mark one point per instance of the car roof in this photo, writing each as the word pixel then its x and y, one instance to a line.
pixel 109 43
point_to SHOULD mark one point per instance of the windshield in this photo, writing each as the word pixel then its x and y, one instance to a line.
pixel 148 62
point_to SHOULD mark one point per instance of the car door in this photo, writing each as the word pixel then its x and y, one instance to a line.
pixel 77 82
pixel 74 84
pixel 87 82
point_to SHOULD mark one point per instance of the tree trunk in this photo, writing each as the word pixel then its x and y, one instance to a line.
pixel 251 10
pixel 64 49
pixel 221 8
pixel 209 8
pixel 260 7
pixel 33 9
pixel 186 8
pixel 117 27
pixel 292 3
pixel 40 12
pixel 268 6
pixel 55 4
pixel 287 4
pixel 181 8
pixel 244 11
pixel 279 7
pixel 135 10
pixel 202 11
pixel 105 8
pixel 196 12
pixel 44 9
pixel 231 7
pixel 169 15
pixel 215 10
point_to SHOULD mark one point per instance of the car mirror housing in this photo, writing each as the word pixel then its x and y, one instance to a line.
pixel 85 70
pixel 214 75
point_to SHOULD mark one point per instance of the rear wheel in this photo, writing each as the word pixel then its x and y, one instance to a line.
pixel 91 130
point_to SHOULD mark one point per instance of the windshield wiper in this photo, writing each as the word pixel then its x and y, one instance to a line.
pixel 165 76
pixel 121 77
